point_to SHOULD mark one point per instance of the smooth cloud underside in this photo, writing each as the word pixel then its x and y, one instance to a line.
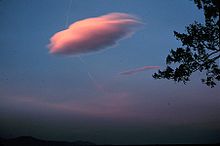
pixel 137 70
pixel 93 34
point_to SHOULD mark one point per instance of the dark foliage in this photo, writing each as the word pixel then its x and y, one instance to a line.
pixel 200 49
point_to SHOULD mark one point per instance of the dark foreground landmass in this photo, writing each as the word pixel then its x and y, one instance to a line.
pixel 31 141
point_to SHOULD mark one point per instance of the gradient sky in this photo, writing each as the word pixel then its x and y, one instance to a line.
pixel 52 97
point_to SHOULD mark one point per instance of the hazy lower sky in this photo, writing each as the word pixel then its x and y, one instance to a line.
pixel 60 97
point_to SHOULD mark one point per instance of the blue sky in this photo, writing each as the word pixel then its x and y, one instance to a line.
pixel 52 97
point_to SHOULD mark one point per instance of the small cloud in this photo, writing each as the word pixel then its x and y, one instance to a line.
pixel 93 34
pixel 137 70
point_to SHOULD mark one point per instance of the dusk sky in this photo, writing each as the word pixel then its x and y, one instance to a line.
pixel 98 86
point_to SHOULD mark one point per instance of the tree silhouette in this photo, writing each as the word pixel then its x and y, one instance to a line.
pixel 200 49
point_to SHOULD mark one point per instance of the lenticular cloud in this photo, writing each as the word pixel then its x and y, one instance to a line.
pixel 93 34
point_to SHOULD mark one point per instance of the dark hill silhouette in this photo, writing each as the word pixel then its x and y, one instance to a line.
pixel 31 141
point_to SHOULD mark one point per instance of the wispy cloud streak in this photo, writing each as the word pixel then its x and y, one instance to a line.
pixel 137 70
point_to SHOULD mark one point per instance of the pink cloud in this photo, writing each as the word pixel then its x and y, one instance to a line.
pixel 112 105
pixel 136 70
pixel 93 34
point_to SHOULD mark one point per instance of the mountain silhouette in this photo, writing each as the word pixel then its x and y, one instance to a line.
pixel 31 141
